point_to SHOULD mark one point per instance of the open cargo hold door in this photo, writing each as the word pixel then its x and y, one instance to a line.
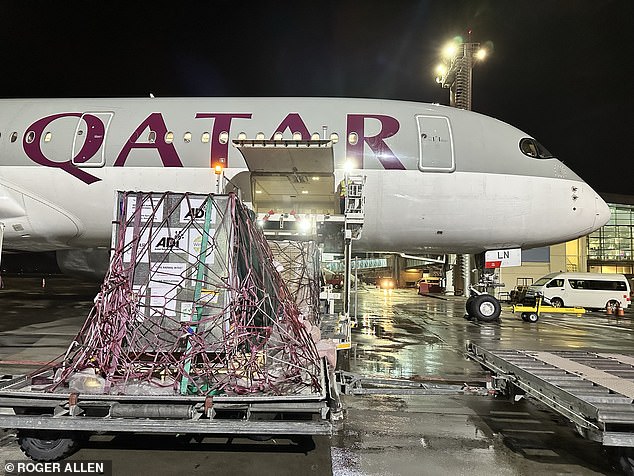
pixel 289 175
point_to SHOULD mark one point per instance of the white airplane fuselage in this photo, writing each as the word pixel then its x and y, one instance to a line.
pixel 438 179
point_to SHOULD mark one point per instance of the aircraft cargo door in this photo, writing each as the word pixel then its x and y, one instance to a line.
pixel 435 144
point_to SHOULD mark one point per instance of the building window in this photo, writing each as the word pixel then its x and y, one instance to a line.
pixel 614 241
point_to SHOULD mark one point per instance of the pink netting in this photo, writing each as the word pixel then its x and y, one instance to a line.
pixel 191 304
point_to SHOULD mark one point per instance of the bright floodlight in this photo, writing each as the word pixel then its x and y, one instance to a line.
pixel 481 54
pixel 348 166
pixel 441 70
pixel 450 50
pixel 304 226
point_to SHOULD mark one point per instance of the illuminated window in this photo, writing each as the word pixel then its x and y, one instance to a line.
pixel 169 137
pixel 47 137
pixel 14 137
pixel 614 241
pixel 187 137
pixel 224 137
pixel 205 138
pixel 151 137
pixel 353 138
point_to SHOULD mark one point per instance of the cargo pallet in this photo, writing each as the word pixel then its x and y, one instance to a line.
pixel 51 424
pixel 595 391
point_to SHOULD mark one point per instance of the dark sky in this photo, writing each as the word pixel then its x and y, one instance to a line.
pixel 560 70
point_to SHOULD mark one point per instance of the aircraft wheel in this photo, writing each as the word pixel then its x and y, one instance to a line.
pixel 532 317
pixel 486 308
pixel 469 305
pixel 557 302
pixel 524 316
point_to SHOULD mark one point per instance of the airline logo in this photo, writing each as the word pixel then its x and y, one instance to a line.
pixel 357 124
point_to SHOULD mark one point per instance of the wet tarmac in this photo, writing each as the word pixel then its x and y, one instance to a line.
pixel 399 335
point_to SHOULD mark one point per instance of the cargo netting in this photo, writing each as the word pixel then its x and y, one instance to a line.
pixel 300 270
pixel 193 304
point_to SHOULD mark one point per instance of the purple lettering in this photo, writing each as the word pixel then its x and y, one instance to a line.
pixel 92 144
pixel 295 123
pixel 167 152
pixel 389 127
pixel 222 123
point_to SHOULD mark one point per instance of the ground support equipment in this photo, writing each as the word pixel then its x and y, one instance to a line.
pixel 354 384
pixel 595 391
pixel 532 313
pixel 51 425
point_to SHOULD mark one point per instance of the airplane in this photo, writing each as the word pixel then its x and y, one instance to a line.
pixel 438 179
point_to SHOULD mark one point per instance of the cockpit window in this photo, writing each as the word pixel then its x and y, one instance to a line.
pixel 532 148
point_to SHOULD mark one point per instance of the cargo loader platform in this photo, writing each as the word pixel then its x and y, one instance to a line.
pixel 594 390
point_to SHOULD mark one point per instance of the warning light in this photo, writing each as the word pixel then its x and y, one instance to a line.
pixel 218 169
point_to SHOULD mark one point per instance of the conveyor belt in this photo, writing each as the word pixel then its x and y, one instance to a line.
pixel 594 390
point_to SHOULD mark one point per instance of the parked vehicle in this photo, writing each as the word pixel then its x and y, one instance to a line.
pixel 386 282
pixel 589 290
pixel 430 284
pixel 336 280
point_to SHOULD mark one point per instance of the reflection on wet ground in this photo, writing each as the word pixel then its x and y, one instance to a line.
pixel 399 335
pixel 403 335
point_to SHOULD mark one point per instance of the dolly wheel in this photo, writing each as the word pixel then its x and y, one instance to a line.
pixel 47 445
pixel 532 317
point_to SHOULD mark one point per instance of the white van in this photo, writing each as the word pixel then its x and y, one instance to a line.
pixel 590 290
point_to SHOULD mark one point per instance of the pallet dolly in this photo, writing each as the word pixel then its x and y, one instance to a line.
pixel 532 313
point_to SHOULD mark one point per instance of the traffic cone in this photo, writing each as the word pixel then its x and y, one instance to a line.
pixel 620 311
pixel 608 310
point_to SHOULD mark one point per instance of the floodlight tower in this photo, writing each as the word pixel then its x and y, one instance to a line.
pixel 455 72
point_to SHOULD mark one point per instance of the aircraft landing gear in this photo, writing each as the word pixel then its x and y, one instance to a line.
pixel 481 305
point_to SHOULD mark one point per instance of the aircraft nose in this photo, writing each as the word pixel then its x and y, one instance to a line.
pixel 602 212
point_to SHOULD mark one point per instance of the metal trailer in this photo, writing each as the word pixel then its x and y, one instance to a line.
pixel 50 426
pixel 594 390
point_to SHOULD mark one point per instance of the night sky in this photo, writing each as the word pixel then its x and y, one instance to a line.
pixel 560 70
